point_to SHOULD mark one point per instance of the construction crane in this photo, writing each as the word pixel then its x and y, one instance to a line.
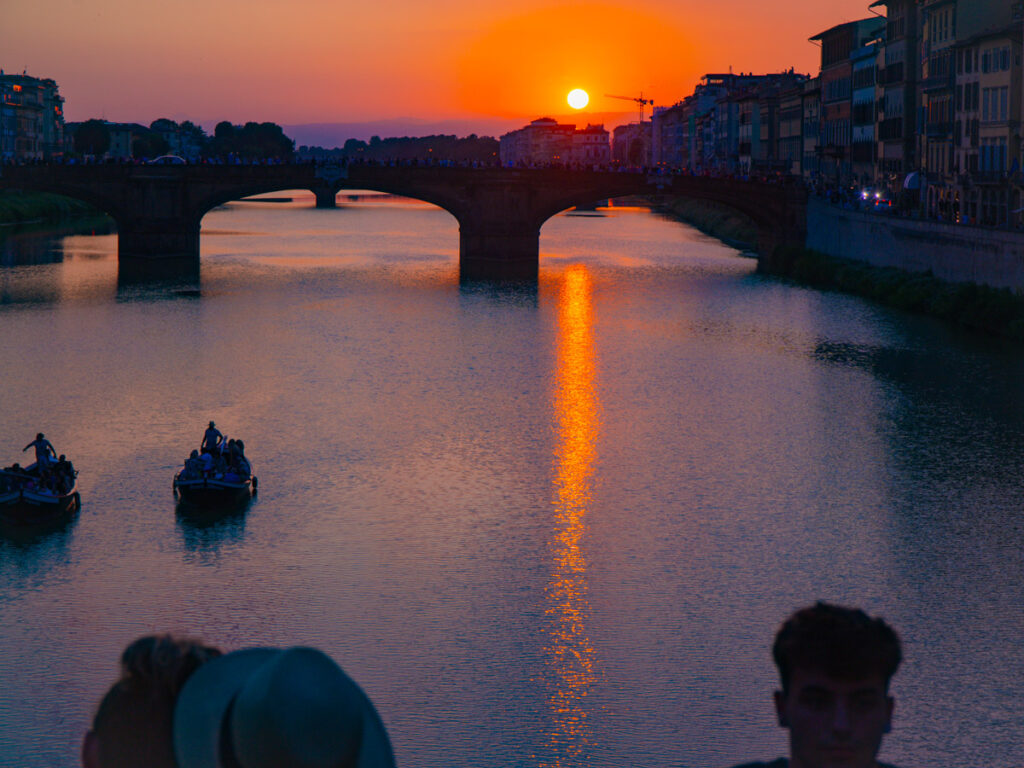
pixel 640 100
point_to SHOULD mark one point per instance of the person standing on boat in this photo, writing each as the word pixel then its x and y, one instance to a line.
pixel 212 440
pixel 44 451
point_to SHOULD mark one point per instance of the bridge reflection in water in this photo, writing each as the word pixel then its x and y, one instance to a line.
pixel 570 653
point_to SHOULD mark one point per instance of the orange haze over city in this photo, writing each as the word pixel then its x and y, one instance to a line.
pixel 312 61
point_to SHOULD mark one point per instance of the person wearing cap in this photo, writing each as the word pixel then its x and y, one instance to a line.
pixel 834 664
pixel 132 727
pixel 277 708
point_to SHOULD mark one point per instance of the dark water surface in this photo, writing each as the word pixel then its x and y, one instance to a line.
pixel 542 527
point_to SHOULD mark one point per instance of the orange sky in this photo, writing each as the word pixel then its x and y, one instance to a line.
pixel 342 61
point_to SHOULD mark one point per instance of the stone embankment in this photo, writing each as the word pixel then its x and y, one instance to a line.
pixel 970 276
pixel 951 252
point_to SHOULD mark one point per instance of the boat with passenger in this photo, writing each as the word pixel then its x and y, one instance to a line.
pixel 40 493
pixel 218 475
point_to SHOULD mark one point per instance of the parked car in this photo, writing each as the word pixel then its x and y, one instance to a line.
pixel 168 160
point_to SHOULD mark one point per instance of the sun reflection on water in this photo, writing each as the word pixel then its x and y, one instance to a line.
pixel 570 652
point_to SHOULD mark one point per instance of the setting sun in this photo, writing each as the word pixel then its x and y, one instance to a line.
pixel 578 98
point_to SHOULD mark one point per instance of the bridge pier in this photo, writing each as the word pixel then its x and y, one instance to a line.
pixel 326 198
pixel 499 253
pixel 155 239
pixel 162 249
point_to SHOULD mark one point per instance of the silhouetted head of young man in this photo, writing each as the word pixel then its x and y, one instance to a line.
pixel 133 724
pixel 835 664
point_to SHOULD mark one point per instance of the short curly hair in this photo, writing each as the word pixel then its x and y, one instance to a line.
pixel 843 643
pixel 133 724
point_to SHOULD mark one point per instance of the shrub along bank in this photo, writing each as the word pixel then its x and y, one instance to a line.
pixel 39 207
pixel 998 311
pixel 719 221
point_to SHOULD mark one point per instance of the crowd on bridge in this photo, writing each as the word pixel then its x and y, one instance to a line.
pixel 848 197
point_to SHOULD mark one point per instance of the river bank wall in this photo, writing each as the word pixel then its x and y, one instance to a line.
pixel 967 276
pixel 951 252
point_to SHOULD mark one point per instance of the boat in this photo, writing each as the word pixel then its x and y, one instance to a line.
pixel 223 490
pixel 225 482
pixel 23 500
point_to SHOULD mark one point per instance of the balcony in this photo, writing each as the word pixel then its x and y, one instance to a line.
pixel 891 75
pixel 989 177
pixel 937 83
pixel 891 129
pixel 939 130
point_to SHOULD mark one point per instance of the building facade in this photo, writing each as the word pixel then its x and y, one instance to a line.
pixel 590 147
pixel 31 118
pixel 897 106
pixel 838 45
pixel 545 141
pixel 810 167
pixel 541 142
pixel 863 111
pixel 631 144
pixel 789 152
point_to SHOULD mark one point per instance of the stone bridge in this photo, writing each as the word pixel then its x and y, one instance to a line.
pixel 158 209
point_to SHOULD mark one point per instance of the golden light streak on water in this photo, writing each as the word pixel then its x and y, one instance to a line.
pixel 570 652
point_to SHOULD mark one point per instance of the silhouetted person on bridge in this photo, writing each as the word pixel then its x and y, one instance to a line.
pixel 835 664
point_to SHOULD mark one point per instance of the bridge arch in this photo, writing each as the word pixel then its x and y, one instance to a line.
pixel 221 197
pixel 500 211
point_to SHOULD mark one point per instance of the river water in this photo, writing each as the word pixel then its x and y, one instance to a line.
pixel 549 526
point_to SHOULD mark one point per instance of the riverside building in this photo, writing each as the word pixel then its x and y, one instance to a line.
pixel 31 118
pixel 546 141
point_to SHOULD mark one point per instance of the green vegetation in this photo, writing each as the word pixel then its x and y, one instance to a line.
pixel 32 207
pixel 252 141
pixel 713 219
pixel 998 311
pixel 92 138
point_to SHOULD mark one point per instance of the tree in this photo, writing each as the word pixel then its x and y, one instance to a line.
pixel 224 130
pixel 252 141
pixel 148 144
pixel 163 124
pixel 92 138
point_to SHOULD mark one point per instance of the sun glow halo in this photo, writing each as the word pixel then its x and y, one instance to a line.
pixel 578 98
